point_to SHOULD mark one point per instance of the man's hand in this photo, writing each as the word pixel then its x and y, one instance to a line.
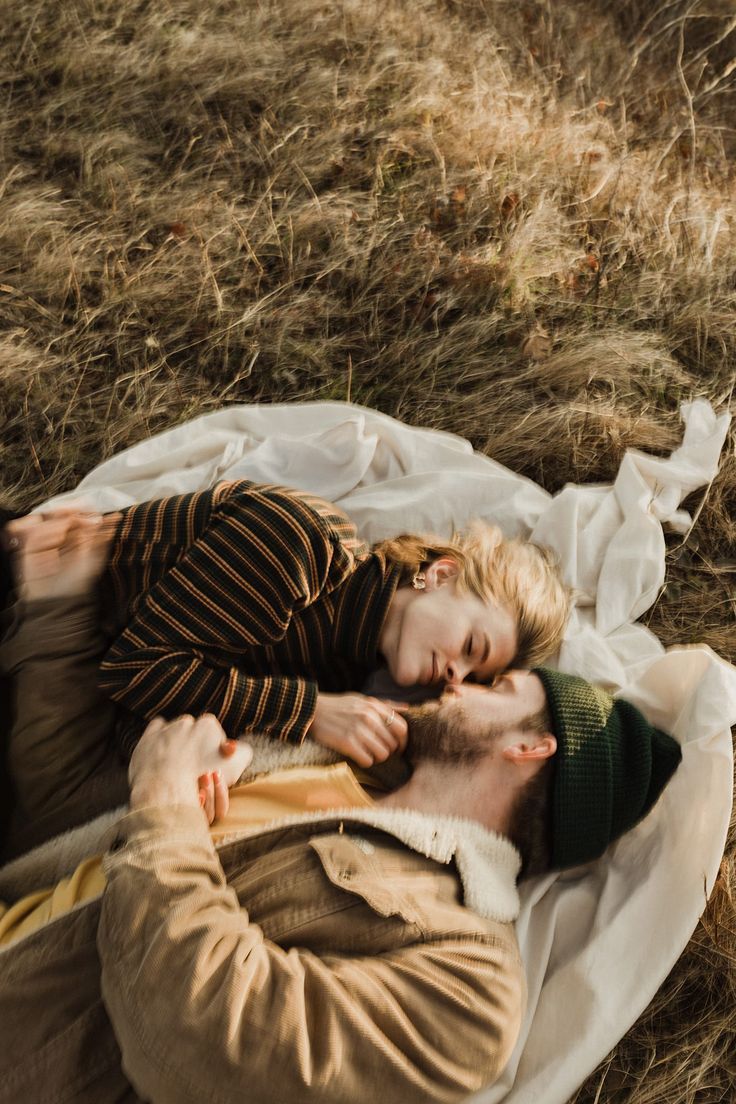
pixel 365 729
pixel 186 762
pixel 59 554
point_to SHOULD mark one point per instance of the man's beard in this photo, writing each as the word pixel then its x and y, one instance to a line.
pixel 446 738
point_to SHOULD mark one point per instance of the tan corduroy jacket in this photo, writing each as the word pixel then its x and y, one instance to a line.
pixel 328 959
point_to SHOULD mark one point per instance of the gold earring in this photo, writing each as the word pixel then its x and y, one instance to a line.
pixel 419 582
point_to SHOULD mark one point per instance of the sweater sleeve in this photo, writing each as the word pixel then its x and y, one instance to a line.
pixel 263 555
pixel 204 1007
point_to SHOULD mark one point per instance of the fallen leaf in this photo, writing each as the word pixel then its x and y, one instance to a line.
pixel 509 203
pixel 458 202
pixel 425 306
pixel 538 344
pixel 440 212
pixel 446 213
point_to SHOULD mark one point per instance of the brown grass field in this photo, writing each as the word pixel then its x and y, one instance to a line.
pixel 511 219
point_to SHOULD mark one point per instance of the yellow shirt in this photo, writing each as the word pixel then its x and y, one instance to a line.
pixel 252 804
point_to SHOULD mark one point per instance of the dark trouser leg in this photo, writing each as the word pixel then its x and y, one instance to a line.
pixel 6 590
pixel 59 754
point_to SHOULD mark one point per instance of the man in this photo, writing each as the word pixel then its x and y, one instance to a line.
pixel 360 950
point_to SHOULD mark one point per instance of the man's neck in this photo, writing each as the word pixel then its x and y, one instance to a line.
pixel 443 789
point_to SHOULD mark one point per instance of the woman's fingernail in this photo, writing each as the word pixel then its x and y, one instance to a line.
pixel 216 777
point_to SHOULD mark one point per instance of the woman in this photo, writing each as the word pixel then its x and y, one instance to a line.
pixel 261 605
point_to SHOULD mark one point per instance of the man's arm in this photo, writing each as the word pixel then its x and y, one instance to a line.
pixel 263 555
pixel 205 1007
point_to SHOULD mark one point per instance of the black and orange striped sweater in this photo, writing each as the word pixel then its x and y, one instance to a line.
pixel 242 601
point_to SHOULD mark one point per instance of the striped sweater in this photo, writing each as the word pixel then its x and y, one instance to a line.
pixel 241 601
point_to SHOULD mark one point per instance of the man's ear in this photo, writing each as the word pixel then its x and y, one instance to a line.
pixel 441 571
pixel 531 747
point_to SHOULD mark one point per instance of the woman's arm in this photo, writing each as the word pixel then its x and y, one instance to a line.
pixel 264 555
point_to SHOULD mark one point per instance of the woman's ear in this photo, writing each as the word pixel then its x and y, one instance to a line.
pixel 441 571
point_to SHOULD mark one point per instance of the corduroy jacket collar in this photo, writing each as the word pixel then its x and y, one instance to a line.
pixel 487 863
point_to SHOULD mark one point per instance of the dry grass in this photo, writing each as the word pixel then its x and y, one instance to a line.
pixel 514 220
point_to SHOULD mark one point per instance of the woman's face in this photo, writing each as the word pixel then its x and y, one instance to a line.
pixel 443 635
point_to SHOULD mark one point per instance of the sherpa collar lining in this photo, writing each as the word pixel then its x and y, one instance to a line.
pixel 487 863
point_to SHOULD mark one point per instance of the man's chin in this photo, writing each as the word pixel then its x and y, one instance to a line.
pixel 420 719
pixel 437 733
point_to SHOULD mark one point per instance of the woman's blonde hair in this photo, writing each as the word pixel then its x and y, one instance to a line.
pixel 510 572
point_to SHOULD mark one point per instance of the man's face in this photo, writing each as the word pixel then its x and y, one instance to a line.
pixel 468 721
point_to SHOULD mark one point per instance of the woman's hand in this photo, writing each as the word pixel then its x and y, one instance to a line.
pixel 187 762
pixel 364 729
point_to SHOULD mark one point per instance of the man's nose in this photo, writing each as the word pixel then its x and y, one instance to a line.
pixel 462 689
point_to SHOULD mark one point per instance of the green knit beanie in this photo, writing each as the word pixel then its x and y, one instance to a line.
pixel 610 767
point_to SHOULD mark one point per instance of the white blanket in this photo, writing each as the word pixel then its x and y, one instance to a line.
pixel 597 942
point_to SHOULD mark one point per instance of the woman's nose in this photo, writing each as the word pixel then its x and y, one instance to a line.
pixel 454 674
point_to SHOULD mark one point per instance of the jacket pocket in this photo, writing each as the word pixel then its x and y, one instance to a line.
pixel 371 872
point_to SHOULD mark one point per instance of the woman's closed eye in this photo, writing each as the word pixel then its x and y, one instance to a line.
pixel 479 647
